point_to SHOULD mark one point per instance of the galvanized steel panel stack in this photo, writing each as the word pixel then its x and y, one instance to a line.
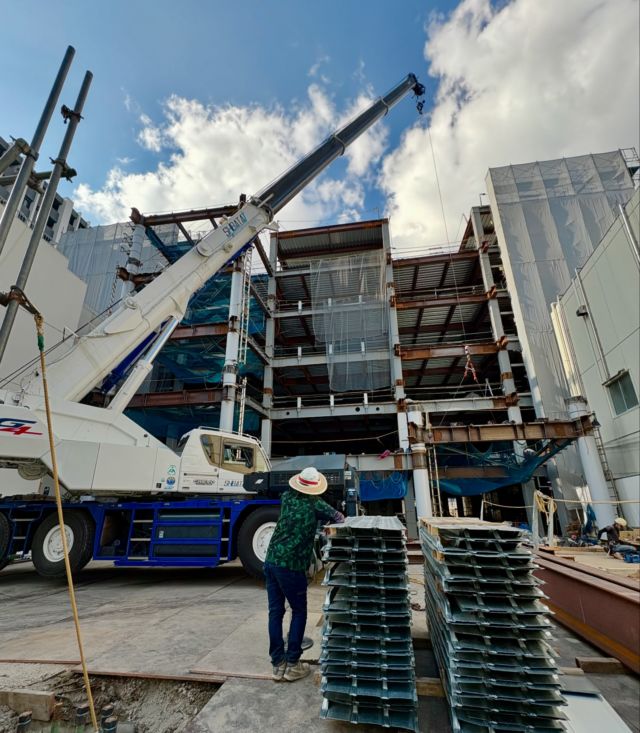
pixel 368 673
pixel 489 628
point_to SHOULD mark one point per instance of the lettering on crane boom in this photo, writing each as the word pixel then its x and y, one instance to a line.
pixel 17 427
pixel 234 225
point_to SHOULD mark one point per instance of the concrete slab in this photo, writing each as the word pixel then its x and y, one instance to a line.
pixel 268 707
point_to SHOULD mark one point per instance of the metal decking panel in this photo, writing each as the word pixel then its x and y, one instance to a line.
pixel 367 654
pixel 489 628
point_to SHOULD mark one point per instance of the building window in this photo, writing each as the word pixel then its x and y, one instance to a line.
pixel 622 393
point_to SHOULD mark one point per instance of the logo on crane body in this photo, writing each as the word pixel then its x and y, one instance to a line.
pixel 17 427
pixel 235 224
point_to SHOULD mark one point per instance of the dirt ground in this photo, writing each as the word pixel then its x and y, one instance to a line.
pixel 155 706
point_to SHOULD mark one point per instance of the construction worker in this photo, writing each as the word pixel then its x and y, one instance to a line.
pixel 613 538
pixel 285 569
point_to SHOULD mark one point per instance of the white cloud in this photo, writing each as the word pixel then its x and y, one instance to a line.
pixel 211 154
pixel 532 80
pixel 150 136
pixel 314 71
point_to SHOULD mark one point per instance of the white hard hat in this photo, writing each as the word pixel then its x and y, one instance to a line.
pixel 622 522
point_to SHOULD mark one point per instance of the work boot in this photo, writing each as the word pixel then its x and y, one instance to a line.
pixel 296 671
pixel 278 671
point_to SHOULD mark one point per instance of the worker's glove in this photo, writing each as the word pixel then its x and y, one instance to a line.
pixel 338 518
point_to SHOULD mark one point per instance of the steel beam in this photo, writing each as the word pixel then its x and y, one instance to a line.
pixel 177 398
pixel 602 609
pixel 542 430
pixel 437 301
pixel 205 330
pixel 307 411
pixel 177 217
pixel 389 408
pixel 438 351
pixel 435 259
pixel 314 359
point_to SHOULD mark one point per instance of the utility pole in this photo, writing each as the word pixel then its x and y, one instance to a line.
pixel 60 168
pixel 17 192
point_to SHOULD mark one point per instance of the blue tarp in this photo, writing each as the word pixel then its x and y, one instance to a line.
pixel 377 485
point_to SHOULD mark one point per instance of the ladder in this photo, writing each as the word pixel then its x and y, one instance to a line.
pixel 606 469
pixel 245 306
pixel 434 481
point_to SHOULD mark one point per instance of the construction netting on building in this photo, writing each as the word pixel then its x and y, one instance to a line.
pixel 549 217
pixel 95 253
pixel 350 317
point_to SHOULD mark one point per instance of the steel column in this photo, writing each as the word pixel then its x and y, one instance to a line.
pixel 591 464
pixel 15 197
pixel 59 168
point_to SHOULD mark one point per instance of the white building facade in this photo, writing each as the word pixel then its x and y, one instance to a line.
pixel 549 217
pixel 597 325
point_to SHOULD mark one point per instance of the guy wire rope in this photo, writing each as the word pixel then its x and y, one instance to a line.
pixel 39 320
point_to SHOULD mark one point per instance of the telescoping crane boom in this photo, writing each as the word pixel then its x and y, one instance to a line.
pixel 100 451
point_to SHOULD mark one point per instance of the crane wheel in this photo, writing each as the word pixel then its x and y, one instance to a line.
pixel 46 549
pixel 5 538
pixel 254 536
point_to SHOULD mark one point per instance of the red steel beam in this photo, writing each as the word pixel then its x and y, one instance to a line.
pixel 196 332
pixel 601 609
pixel 177 399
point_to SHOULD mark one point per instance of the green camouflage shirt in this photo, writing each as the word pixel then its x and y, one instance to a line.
pixel 291 544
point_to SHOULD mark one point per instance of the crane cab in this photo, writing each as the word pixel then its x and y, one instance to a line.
pixel 212 461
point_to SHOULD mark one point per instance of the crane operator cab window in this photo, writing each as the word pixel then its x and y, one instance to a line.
pixel 238 456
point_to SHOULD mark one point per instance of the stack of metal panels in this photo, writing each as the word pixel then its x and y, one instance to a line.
pixel 368 673
pixel 489 628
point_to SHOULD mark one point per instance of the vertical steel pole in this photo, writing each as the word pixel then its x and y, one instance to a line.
pixel 15 197
pixel 45 209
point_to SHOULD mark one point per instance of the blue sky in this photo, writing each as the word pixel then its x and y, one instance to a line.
pixel 217 52
pixel 195 102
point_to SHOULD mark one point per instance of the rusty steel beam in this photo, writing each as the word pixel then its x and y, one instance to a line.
pixel 202 331
pixel 177 399
pixel 472 472
pixel 176 217
pixel 543 430
pixel 335 229
pixel 445 350
pixel 600 608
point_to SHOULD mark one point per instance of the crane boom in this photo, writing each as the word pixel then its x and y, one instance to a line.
pixel 95 355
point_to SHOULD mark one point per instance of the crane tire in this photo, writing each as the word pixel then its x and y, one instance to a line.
pixel 46 548
pixel 253 538
pixel 5 538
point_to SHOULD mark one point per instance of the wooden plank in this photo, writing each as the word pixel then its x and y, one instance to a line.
pixel 429 687
pixel 571 671
pixel 40 704
pixel 600 665
pixel 204 677
pixel 224 676
pixel 61 662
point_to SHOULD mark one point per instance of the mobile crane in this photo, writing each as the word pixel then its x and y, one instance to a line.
pixel 129 498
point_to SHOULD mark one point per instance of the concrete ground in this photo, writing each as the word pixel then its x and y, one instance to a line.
pixel 202 627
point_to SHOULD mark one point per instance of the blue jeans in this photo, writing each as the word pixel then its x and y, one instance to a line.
pixel 623 549
pixel 290 585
